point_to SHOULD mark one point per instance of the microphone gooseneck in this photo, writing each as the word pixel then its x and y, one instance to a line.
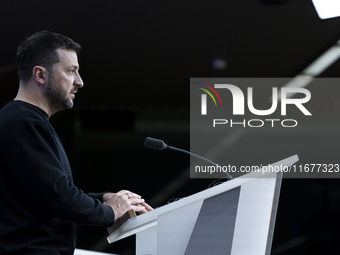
pixel 157 144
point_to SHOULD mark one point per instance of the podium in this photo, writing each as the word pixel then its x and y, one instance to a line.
pixel 236 217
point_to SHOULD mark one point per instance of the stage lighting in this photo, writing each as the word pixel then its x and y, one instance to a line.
pixel 327 8
pixel 323 62
pixel 219 64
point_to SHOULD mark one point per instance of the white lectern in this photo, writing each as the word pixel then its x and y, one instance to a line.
pixel 236 217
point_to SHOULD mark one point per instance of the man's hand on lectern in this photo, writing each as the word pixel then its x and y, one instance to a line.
pixel 125 200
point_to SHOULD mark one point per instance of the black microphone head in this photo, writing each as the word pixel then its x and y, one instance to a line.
pixel 155 144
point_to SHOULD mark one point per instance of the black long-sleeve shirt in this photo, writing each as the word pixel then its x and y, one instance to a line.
pixel 39 204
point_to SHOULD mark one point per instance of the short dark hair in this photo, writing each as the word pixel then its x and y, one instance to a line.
pixel 40 49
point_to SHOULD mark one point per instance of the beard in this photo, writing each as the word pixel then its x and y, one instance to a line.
pixel 58 98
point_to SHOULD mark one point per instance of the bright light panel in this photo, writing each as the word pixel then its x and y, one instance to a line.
pixel 327 8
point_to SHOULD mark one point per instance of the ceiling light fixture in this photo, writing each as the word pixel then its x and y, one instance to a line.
pixel 327 8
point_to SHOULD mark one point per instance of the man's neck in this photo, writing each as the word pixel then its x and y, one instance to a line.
pixel 33 97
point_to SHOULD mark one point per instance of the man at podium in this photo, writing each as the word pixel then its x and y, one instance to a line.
pixel 39 204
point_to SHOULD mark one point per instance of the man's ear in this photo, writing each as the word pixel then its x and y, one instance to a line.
pixel 40 74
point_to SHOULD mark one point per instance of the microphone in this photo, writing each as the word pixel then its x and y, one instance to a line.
pixel 157 144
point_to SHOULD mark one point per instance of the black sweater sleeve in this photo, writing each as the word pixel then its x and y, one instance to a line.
pixel 98 196
pixel 39 164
